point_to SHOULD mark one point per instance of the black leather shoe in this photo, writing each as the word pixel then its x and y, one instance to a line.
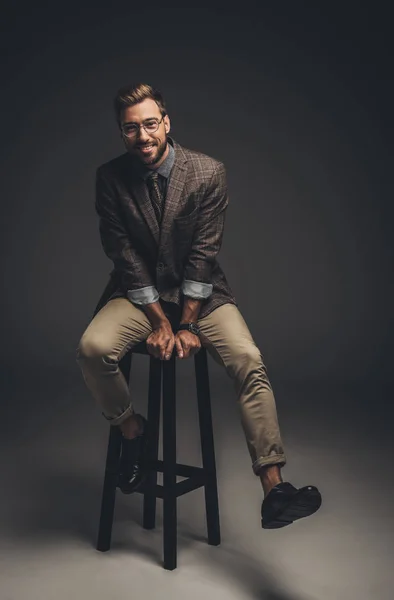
pixel 285 503
pixel 132 468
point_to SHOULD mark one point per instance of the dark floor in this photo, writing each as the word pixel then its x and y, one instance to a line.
pixel 336 437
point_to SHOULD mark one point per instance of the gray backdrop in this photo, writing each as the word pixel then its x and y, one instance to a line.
pixel 296 99
pixel 295 105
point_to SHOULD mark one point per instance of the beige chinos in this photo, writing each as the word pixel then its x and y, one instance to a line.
pixel 120 325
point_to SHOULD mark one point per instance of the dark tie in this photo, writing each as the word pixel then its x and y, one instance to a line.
pixel 155 195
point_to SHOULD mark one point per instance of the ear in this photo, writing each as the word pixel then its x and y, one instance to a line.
pixel 167 123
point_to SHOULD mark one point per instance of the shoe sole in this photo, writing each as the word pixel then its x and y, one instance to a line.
pixel 303 504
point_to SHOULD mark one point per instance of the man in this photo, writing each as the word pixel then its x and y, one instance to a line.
pixel 162 211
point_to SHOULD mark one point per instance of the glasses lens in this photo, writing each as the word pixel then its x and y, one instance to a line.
pixel 151 125
pixel 130 130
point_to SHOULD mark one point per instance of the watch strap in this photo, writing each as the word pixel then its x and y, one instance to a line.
pixel 189 327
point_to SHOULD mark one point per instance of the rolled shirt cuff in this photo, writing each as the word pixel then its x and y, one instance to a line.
pixel 196 289
pixel 145 295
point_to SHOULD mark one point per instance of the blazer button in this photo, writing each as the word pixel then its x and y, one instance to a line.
pixel 160 266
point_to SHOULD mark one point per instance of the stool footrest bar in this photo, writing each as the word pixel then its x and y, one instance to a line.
pixel 180 488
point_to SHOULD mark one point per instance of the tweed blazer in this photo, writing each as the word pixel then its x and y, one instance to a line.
pixel 186 244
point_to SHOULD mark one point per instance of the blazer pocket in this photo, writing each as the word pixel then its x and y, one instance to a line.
pixel 185 219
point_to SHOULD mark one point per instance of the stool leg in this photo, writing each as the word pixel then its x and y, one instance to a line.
pixel 111 473
pixel 152 454
pixel 109 489
pixel 207 446
pixel 169 465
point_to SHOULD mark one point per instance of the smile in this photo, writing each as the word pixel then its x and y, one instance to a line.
pixel 146 149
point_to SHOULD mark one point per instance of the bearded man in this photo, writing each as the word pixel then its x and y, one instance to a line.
pixel 161 211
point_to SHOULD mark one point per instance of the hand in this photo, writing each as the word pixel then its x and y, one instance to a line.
pixel 160 342
pixel 187 343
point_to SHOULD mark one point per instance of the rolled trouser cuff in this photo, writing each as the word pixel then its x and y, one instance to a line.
pixel 274 459
pixel 119 418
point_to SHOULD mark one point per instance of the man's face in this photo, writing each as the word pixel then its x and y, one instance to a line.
pixel 148 148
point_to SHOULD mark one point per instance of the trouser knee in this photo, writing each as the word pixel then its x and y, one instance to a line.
pixel 92 349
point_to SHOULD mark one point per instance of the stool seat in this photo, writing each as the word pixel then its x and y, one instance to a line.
pixel 162 388
pixel 140 348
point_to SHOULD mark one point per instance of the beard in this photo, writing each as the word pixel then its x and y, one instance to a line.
pixel 159 148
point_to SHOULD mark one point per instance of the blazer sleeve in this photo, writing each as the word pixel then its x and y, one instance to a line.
pixel 208 232
pixel 130 267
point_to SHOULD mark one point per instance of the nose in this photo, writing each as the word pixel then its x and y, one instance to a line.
pixel 142 135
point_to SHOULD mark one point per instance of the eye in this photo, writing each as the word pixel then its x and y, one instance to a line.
pixel 130 128
pixel 151 124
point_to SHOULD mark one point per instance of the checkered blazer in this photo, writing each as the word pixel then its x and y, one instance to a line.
pixel 186 244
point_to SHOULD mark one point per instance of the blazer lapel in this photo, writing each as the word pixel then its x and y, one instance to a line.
pixel 176 183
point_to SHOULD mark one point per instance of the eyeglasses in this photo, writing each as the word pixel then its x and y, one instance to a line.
pixel 130 130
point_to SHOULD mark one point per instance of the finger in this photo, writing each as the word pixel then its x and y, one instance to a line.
pixel 163 342
pixel 152 346
pixel 156 349
pixel 179 348
pixel 163 349
pixel 186 349
pixel 169 349
pixel 194 349
pixel 160 346
pixel 151 351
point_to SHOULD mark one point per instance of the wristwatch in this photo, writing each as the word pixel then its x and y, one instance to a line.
pixel 193 327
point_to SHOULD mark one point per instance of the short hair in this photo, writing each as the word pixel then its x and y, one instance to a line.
pixel 131 94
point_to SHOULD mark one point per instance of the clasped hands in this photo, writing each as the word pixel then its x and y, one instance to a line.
pixel 160 343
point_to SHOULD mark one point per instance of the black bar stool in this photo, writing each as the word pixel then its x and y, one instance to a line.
pixel 196 477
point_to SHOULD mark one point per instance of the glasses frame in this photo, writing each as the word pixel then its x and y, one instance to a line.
pixel 137 131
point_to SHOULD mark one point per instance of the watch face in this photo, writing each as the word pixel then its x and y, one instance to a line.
pixel 194 328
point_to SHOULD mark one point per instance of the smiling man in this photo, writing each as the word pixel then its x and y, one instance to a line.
pixel 149 146
pixel 161 211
